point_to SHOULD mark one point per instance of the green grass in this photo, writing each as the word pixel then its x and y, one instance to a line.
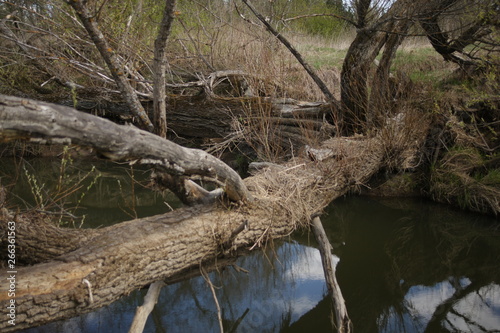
pixel 323 57
pixel 422 65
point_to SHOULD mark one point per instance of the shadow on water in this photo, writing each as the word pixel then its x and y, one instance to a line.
pixel 417 266
pixel 403 266
pixel 107 192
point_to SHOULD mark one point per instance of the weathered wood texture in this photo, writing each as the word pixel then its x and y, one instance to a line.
pixel 202 116
pixel 342 320
pixel 124 257
pixel 46 123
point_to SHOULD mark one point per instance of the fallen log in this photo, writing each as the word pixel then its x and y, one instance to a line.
pixel 45 123
pixel 201 116
pixel 116 260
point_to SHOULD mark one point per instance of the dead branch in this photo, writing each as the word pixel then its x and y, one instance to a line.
pixel 48 123
pixel 111 59
pixel 143 311
pixel 159 70
pixel 329 96
pixel 342 320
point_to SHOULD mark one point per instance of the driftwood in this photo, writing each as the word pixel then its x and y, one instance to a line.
pixel 101 267
pixel 342 320
pixel 143 311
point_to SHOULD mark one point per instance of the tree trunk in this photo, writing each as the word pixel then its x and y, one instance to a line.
pixel 121 258
pixel 159 71
pixel 383 85
pixel 354 78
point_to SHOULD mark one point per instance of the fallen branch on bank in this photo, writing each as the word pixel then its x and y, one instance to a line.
pixel 47 123
pixel 121 258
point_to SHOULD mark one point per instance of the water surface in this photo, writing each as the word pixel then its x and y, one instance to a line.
pixel 404 265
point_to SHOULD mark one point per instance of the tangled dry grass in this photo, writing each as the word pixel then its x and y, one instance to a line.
pixel 305 185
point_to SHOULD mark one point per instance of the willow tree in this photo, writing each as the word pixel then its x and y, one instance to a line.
pixel 461 31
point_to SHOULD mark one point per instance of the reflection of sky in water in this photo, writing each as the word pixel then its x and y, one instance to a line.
pixel 485 306
pixel 279 289
pixel 274 290
pixel 478 311
pixel 292 286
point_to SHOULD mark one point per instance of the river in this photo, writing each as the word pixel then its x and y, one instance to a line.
pixel 403 265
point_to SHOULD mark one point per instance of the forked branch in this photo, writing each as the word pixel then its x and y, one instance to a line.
pixel 49 123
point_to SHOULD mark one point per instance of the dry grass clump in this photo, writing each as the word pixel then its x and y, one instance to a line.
pixel 304 186
pixel 453 185
pixel 402 137
pixel 291 189
pixel 461 177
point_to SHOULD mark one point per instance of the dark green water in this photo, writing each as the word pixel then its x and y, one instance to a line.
pixel 403 266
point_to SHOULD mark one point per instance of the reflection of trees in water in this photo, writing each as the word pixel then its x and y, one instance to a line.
pixel 121 191
pixel 417 246
pixel 389 257
pixel 261 300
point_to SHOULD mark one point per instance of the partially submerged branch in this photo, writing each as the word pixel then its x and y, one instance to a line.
pixel 48 123
pixel 322 86
pixel 143 311
pixel 342 320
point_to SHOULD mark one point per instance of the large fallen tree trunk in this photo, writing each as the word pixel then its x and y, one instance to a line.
pixel 111 262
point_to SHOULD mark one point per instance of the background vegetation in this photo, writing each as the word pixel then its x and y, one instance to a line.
pixel 46 54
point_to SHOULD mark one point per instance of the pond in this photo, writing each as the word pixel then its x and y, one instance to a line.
pixel 403 265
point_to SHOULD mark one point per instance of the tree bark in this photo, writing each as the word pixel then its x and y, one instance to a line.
pixel 322 86
pixel 48 123
pixel 342 320
pixel 112 62
pixel 113 262
pixel 354 78
pixel 383 84
pixel 159 70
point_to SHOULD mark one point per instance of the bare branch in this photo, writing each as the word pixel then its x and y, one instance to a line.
pixel 343 18
pixel 49 123
pixel 111 59
pixel 329 96
pixel 159 69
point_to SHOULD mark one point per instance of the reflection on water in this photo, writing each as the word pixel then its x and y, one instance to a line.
pixel 108 192
pixel 411 266
pixel 403 266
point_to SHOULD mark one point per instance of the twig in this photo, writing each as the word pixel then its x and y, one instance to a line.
pixel 89 287
pixel 321 15
pixel 212 289
pixel 243 226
